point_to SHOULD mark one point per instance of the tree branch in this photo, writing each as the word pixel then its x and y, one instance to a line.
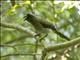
pixel 31 54
pixel 60 46
pixel 9 45
pixel 18 27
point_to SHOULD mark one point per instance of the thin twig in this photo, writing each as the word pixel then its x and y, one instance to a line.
pixel 19 54
pixel 16 40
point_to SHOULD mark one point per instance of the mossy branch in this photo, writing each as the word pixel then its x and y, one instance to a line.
pixel 60 46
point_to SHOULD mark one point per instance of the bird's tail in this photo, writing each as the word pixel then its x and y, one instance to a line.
pixel 59 33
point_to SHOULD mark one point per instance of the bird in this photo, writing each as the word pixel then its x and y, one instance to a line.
pixel 42 25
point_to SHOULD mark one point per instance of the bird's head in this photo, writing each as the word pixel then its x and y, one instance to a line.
pixel 29 17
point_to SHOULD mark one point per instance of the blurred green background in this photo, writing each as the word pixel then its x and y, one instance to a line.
pixel 15 45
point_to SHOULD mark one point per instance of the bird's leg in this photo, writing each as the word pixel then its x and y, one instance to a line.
pixel 40 36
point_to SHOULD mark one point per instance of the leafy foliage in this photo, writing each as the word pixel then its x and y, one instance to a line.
pixel 64 15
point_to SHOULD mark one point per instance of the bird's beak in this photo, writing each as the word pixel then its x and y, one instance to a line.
pixel 25 18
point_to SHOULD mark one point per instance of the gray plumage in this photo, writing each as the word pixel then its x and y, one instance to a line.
pixel 41 25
